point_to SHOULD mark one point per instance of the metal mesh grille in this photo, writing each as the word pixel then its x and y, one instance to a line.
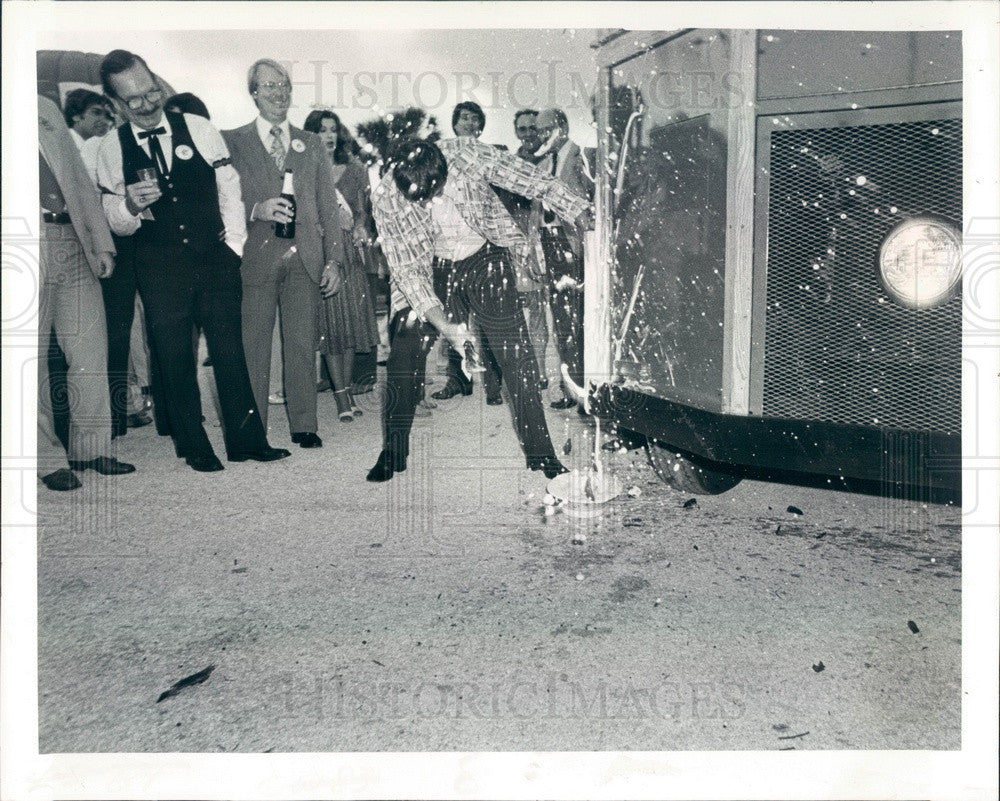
pixel 837 347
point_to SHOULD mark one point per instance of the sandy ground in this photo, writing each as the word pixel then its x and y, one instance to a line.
pixel 443 611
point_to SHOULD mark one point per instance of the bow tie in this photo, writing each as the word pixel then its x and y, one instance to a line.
pixel 161 131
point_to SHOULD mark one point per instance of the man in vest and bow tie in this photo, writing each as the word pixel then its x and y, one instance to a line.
pixel 186 218
pixel 282 273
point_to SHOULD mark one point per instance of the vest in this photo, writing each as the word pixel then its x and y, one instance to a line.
pixel 187 214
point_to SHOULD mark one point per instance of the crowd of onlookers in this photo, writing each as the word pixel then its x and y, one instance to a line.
pixel 157 230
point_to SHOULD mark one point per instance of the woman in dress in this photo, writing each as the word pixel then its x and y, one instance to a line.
pixel 347 319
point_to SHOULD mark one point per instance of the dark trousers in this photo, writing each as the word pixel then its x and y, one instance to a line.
pixel 493 375
pixel 566 305
pixel 181 288
pixel 485 284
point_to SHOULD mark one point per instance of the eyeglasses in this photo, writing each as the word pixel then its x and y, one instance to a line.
pixel 274 87
pixel 152 97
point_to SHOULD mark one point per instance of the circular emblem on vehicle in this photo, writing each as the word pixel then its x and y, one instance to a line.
pixel 298 145
pixel 183 152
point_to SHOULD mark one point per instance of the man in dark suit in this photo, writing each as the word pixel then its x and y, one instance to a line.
pixel 75 249
pixel 285 273
pixel 562 245
pixel 188 228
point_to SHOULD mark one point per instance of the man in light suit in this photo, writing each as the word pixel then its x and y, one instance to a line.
pixel 286 273
pixel 561 244
pixel 75 249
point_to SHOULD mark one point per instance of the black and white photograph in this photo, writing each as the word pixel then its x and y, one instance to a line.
pixel 514 400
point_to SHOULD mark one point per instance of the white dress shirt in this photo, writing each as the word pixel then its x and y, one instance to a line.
pixel 264 132
pixel 88 152
pixel 212 148
pixel 455 239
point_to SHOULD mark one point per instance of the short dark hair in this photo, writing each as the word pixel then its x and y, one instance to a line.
pixel 79 100
pixel 188 103
pixel 561 119
pixel 468 105
pixel 522 112
pixel 419 168
pixel 119 61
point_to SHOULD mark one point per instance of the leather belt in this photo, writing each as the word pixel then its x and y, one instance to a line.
pixel 60 218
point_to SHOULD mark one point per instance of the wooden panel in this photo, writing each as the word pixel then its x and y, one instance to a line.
pixel 739 228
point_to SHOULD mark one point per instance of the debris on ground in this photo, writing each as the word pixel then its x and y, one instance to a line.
pixel 631 522
pixel 633 491
pixel 579 538
pixel 913 626
pixel 195 678
pixel 690 503
pixel 657 602
pixel 794 510
pixel 579 576
pixel 793 736
pixel 819 668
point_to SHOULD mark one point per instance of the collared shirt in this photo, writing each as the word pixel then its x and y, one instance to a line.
pixel 88 152
pixel 212 148
pixel 406 229
pixel 264 132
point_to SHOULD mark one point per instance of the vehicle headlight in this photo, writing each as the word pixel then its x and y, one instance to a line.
pixel 920 261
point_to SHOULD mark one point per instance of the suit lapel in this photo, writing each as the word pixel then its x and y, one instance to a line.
pixel 293 158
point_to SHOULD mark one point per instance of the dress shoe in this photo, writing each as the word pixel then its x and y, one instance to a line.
pixel 549 465
pixel 307 439
pixel 387 465
pixel 205 463
pixel 494 400
pixel 61 480
pixel 138 420
pixel 105 465
pixel 265 454
pixel 451 389
pixel 563 403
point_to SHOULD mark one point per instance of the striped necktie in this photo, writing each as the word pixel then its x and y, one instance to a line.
pixel 277 148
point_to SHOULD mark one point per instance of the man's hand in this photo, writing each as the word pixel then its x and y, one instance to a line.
pixel 140 195
pixel 274 209
pixel 106 264
pixel 359 235
pixel 458 334
pixel 331 280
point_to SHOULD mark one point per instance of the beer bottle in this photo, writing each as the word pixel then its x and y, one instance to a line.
pixel 287 230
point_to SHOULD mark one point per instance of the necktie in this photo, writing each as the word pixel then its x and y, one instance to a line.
pixel 154 148
pixel 277 148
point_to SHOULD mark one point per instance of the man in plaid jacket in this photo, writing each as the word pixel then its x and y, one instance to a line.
pixel 434 207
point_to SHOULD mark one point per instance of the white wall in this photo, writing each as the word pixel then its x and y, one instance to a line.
pixel 357 71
